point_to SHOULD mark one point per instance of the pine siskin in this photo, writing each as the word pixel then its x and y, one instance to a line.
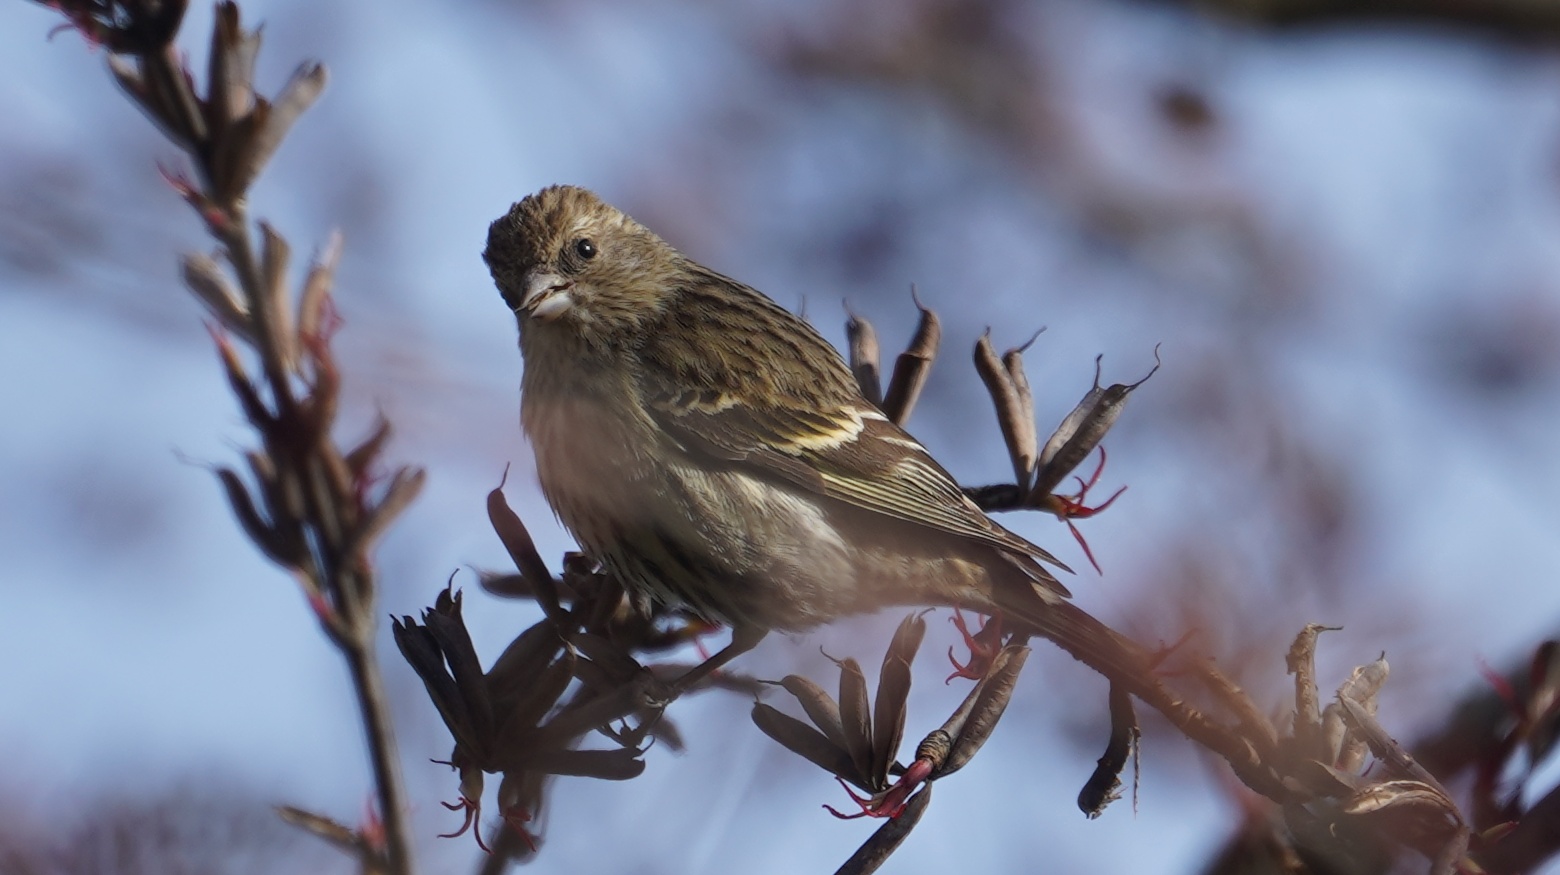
pixel 712 450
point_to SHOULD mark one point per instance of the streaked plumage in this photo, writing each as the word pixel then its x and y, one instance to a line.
pixel 712 449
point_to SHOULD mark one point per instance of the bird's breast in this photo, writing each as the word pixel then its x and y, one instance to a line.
pixel 590 457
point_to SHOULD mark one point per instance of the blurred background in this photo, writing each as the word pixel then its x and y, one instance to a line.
pixel 1340 228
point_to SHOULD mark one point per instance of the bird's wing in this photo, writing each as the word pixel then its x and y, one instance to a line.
pixel 850 452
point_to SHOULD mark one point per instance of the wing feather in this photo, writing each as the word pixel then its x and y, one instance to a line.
pixel 854 455
pixel 807 426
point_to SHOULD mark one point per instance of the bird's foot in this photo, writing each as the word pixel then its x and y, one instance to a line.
pixel 983 645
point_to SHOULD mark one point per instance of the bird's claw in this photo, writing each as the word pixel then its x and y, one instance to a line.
pixel 983 645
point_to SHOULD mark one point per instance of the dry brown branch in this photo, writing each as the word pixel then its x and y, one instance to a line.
pixel 310 505
pixel 1523 20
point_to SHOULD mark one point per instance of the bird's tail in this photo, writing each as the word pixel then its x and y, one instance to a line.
pixel 1088 640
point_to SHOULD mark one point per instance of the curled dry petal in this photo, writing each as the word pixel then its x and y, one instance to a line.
pixel 1326 781
pixel 522 550
pixel 447 629
pixel 404 486
pixel 540 694
pixel 421 651
pixel 169 100
pixel 807 742
pixel 819 707
pixel 273 120
pixel 578 718
pixel 893 693
pixel 271 542
pixel 205 279
pixel 1392 795
pixel 596 679
pixel 314 301
pixel 1397 761
pixel 912 367
pixel 238 380
pixel 361 458
pixel 163 94
pixel 1027 455
pixel 1103 786
pixel 507 585
pixel 617 663
pixel 856 718
pixel 261 467
pixel 129 79
pixel 1018 430
pixel 1340 749
pixel 1301 662
pixel 1358 693
pixel 864 358
pixel 230 69
pixel 317 410
pixel 1365 682
pixel 1082 430
pixel 525 656
pixel 1541 707
pixel 274 257
pixel 620 764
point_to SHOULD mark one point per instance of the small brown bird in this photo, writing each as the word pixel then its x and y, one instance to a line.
pixel 713 450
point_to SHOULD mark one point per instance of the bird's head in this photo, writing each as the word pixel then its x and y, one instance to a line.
pixel 566 261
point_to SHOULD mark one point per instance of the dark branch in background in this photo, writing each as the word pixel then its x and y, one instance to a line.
pixel 312 507
pixel 1518 19
pixel 1502 736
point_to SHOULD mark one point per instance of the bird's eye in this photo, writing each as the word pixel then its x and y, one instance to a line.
pixel 585 249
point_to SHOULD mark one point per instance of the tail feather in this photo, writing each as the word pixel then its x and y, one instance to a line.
pixel 1086 639
pixel 1131 669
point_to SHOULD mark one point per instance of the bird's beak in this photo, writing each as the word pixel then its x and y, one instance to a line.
pixel 546 295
